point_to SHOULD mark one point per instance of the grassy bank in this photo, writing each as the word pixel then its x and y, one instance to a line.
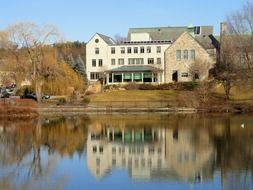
pixel 176 98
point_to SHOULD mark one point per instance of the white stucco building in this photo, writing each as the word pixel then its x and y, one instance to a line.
pixel 141 58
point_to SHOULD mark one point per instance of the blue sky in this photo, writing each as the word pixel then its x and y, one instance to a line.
pixel 80 19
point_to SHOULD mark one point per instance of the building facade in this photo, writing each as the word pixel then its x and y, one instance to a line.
pixel 141 58
pixel 186 60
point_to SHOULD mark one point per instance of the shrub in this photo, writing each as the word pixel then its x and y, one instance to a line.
pixel 189 85
pixel 24 90
pixel 131 86
pixel 62 101
pixel 86 100
pixel 147 87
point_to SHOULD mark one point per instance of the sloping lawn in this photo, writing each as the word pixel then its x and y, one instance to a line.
pixel 135 95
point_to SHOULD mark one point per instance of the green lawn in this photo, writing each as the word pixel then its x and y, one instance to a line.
pixel 135 95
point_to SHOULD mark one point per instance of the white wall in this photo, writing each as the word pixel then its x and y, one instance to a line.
pixel 106 56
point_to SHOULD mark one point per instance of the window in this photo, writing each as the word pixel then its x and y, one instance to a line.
pixel 94 76
pixel 93 62
pixel 94 149
pixel 131 61
pixel 158 49
pixel 101 149
pixel 137 78
pixel 150 60
pixel 142 50
pixel 120 61
pixel 185 54
pixel 112 61
pixel 96 40
pixel 135 49
pixel 113 150
pixel 127 77
pixel 184 75
pixel 197 30
pixel 159 61
pixel 98 161
pixel 112 50
pixel 96 50
pixel 148 49
pixel 196 75
pixel 139 61
pixel 178 55
pixel 100 62
pixel 129 50
pixel 122 50
pixel 193 54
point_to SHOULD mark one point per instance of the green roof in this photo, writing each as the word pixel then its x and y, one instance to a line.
pixel 139 68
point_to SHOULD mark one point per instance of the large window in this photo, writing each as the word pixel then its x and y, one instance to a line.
pixel 122 50
pixel 96 50
pixel 150 60
pixel 127 77
pixel 193 54
pixel 147 77
pixel 113 50
pixel 139 61
pixel 133 61
pixel 185 54
pixel 94 76
pixel 120 61
pixel 100 62
pixel 158 49
pixel 93 62
pixel 142 50
pixel 117 77
pixel 148 49
pixel 112 61
pixel 178 55
pixel 137 77
pixel 129 50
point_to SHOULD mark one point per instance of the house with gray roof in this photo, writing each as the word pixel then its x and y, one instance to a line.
pixel 141 58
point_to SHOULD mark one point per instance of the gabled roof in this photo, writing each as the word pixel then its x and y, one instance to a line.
pixel 107 39
pixel 139 68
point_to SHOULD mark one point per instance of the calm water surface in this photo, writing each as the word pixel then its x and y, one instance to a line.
pixel 134 152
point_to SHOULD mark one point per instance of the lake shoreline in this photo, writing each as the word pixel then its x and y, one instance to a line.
pixel 9 111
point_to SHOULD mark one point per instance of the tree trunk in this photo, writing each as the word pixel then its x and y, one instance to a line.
pixel 38 87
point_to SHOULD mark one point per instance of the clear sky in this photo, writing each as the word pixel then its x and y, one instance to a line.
pixel 80 19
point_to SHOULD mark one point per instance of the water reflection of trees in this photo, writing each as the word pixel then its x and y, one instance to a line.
pixel 29 150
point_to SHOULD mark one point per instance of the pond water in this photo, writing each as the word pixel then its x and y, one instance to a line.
pixel 145 151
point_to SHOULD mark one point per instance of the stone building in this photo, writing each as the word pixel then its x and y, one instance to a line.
pixel 187 59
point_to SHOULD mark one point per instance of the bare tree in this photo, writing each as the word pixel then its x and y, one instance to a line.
pixel 227 71
pixel 199 69
pixel 118 38
pixel 29 46
pixel 240 27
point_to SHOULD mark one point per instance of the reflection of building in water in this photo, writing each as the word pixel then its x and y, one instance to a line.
pixel 148 153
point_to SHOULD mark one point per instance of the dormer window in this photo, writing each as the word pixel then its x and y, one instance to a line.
pixel 197 30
